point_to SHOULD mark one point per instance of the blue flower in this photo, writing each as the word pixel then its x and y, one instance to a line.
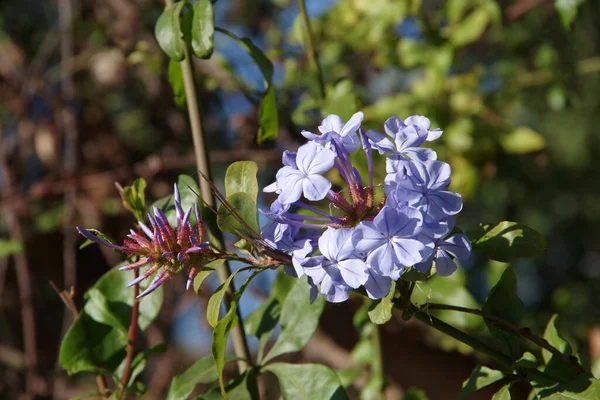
pixel 457 245
pixel 403 138
pixel 337 269
pixel 311 161
pixel 333 127
pixel 423 185
pixel 390 240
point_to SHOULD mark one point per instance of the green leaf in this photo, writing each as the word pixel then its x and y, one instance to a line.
pixel 138 364
pixel 382 312
pixel 268 106
pixel 241 177
pixel 502 394
pixel 134 198
pixel 202 371
pixel 567 10
pixel 205 273
pixel 582 387
pixel 282 286
pixel 373 388
pixel 596 367
pixel 214 303
pixel 507 241
pixel 219 342
pixel 527 360
pixel 203 29
pixel 261 323
pixel 299 320
pixel 307 381
pixel 176 80
pixel 522 140
pixel 189 193
pixel 10 247
pixel 341 99
pixel 268 118
pixel 91 346
pixel 480 377
pixel 245 208
pixel 168 31
pixel 503 301
pixel 555 366
pixel 99 309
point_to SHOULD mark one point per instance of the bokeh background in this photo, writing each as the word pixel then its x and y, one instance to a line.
pixel 85 100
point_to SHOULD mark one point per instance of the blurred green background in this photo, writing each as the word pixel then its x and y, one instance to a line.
pixel 85 100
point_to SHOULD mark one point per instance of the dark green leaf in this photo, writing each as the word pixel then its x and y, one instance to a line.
pixel 98 308
pixel 214 303
pixel 261 323
pixel 503 301
pixel 307 381
pixel 382 312
pixel 555 366
pixel 176 80
pixel 299 319
pixel 480 378
pixel 205 273
pixel 268 118
pixel 245 208
pixel 202 371
pixel 282 286
pixel 168 31
pixel 189 193
pixel 138 364
pixel 241 177
pixel 203 29
pixel 507 241
pixel 527 360
pixel 582 387
pixel 414 394
pixel 502 394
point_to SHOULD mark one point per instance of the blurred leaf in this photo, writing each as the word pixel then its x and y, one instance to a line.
pixel 522 140
pixel 507 241
pixel 241 177
pixel 502 394
pixel 470 28
pixel 268 118
pixel 362 354
pixel 414 394
pixel 202 371
pixel 203 29
pixel 348 376
pixel 262 322
pixel 341 100
pixel 307 381
pixel 596 367
pixel 9 247
pixel 480 377
pixel 567 10
pixel 299 320
pixel 382 312
pixel 246 210
pixel 373 388
pixel 176 80
pixel 168 31
pixel 503 301
pixel 134 198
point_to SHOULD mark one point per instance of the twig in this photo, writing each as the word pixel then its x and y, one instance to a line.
pixel 132 335
pixel 23 282
pixel 311 49
pixel 510 327
pixel 67 298
pixel 240 343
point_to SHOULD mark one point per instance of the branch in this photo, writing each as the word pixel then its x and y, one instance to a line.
pixel 311 49
pixel 510 327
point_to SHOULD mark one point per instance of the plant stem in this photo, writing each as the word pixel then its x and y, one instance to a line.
pixel 311 49
pixel 132 335
pixel 240 343
pixel 458 335
pixel 377 360
pixel 510 327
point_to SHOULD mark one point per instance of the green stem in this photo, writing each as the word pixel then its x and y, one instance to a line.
pixel 451 331
pixel 377 360
pixel 310 48
pixel 240 343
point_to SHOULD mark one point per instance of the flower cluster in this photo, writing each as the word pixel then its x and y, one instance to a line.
pixel 365 239
pixel 162 249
